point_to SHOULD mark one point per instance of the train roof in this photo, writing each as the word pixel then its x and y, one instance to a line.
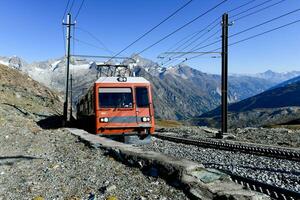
pixel 117 80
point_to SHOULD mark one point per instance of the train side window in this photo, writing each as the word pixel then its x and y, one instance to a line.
pixel 141 96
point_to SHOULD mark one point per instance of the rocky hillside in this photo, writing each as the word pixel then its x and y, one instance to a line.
pixel 192 91
pixel 21 93
pixel 288 82
pixel 275 106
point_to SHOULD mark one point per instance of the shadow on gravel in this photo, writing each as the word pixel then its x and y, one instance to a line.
pixel 55 122
pixel 52 122
pixel 10 160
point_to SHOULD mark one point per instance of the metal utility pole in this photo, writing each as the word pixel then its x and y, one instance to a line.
pixel 71 98
pixel 224 89
pixel 68 24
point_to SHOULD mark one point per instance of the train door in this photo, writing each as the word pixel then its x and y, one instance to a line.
pixel 143 113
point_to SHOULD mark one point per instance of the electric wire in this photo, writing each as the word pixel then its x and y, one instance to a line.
pixel 257 11
pixel 153 28
pixel 251 8
pixel 243 31
pixel 245 4
pixel 97 39
pixel 265 32
pixel 67 6
pixel 266 22
pixel 82 2
pixel 181 40
pixel 185 25
pixel 188 42
pixel 251 37
pixel 196 33
pixel 88 44
pixel 193 41
pixel 214 21
pixel 199 48
pixel 70 10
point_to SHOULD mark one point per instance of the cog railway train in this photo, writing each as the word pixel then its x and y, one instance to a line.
pixel 117 106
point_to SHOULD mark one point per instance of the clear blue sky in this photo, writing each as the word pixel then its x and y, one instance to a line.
pixel 32 30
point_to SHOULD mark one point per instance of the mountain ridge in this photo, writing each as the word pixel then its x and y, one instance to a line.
pixel 192 91
pixel 275 106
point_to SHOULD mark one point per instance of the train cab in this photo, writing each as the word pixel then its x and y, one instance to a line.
pixel 118 106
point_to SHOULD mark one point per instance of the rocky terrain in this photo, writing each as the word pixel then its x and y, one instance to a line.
pixel 193 91
pixel 267 136
pixel 39 160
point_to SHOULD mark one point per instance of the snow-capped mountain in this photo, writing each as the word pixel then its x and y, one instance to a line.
pixel 179 91
pixel 275 77
pixel 14 62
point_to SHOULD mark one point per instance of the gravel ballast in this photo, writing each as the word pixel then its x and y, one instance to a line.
pixel 267 136
pixel 278 172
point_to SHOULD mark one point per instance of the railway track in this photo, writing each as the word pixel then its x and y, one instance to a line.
pixel 276 152
pixel 273 191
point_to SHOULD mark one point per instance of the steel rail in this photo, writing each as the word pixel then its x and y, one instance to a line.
pixel 273 191
pixel 268 151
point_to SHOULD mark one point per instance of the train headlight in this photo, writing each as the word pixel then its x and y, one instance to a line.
pixel 122 79
pixel 104 119
pixel 145 119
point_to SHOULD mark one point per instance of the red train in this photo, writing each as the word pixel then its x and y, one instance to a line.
pixel 118 106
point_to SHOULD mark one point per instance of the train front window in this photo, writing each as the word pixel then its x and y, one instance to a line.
pixel 142 99
pixel 115 98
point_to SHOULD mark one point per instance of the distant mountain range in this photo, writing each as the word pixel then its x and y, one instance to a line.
pixel 180 92
pixel 278 105
pixel 274 77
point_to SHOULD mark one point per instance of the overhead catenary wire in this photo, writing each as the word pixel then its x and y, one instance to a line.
pixel 214 22
pixel 70 10
pixel 209 30
pixel 80 7
pixel 97 39
pixel 197 49
pixel 266 22
pixel 243 31
pixel 251 8
pixel 257 11
pixel 265 32
pixel 183 40
pixel 88 44
pixel 153 28
pixel 185 25
pixel 188 42
pixel 239 7
pixel 249 38
pixel 65 11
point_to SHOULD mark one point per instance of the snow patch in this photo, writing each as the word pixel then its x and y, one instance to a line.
pixel 4 63
pixel 54 65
